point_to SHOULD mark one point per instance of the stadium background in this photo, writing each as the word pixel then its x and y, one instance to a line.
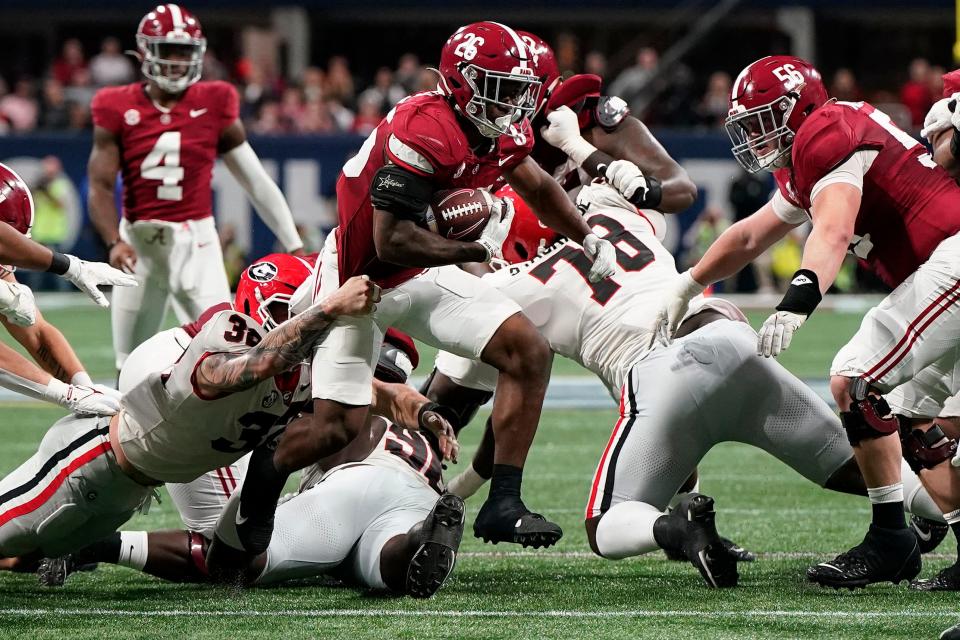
pixel 270 51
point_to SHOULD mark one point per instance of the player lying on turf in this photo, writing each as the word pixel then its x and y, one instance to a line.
pixel 60 377
pixel 233 389
pixel 676 401
pixel 163 134
pixel 374 513
pixel 470 133
pixel 872 190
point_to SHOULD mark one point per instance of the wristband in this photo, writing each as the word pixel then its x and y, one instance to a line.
pixel 955 143
pixel 59 263
pixel 803 295
pixel 429 406
pixel 650 197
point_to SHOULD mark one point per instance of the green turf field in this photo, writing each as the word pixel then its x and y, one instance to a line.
pixel 502 591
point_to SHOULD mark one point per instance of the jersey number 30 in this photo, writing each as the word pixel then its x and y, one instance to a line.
pixel 163 163
pixel 632 255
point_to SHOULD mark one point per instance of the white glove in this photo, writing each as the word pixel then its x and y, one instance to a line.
pixel 604 257
pixel 497 229
pixel 17 304
pixel 82 399
pixel 939 118
pixel 675 302
pixel 626 178
pixel 955 116
pixel 87 276
pixel 777 332
pixel 563 132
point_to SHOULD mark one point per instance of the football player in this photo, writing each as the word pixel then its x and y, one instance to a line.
pixel 394 528
pixel 872 190
pixel 164 135
pixel 470 132
pixel 232 389
pixel 60 377
pixel 676 401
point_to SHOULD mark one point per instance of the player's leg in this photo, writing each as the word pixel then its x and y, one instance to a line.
pixel 655 445
pixel 452 309
pixel 201 501
pixel 198 280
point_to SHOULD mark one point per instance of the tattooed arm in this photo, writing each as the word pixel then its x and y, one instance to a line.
pixel 286 346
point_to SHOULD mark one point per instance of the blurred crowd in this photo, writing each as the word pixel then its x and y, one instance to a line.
pixel 332 98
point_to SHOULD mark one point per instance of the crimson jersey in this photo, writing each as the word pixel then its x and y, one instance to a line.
pixel 424 129
pixel 167 157
pixel 909 204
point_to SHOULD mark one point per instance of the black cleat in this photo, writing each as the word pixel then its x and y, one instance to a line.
pixel 953 633
pixel 739 553
pixel 53 572
pixel 947 580
pixel 702 544
pixel 885 555
pixel 930 533
pixel 433 562
pixel 509 520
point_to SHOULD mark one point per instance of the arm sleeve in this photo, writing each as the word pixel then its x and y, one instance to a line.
pixel 849 172
pixel 266 196
pixel 787 211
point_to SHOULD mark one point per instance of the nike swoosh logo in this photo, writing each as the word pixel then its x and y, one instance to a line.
pixel 467 231
pixel 197 112
pixel 923 536
pixel 503 161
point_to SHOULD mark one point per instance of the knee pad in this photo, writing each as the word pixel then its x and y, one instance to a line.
pixel 198 556
pixel 869 416
pixel 926 449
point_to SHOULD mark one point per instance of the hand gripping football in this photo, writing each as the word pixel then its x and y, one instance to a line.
pixel 460 214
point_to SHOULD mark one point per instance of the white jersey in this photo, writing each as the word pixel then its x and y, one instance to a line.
pixel 172 433
pixel 604 326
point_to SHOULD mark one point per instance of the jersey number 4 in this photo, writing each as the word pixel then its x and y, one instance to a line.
pixel 632 255
pixel 163 163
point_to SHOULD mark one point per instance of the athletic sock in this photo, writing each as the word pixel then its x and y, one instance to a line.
pixel 133 549
pixel 916 500
pixel 887 503
pixel 505 482
pixel 627 529
pixel 953 519
pixel 104 550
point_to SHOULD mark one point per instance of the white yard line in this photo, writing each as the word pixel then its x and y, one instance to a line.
pixel 762 555
pixel 376 613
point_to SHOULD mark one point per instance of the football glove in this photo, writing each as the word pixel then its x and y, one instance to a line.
pixel 81 399
pixel 627 178
pixel 17 304
pixel 563 132
pixel 676 299
pixel 497 229
pixel 604 257
pixel 87 276
pixel 777 332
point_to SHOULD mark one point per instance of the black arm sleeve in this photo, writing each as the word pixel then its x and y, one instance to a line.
pixel 403 193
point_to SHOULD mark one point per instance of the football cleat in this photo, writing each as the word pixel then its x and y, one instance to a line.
pixel 441 533
pixel 885 555
pixel 53 572
pixel 509 520
pixel 930 533
pixel 953 633
pixel 735 550
pixel 946 580
pixel 695 519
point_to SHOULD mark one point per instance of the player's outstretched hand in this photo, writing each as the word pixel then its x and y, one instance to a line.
pixel 17 304
pixel 497 228
pixel 88 401
pixel 777 332
pixel 676 299
pixel 603 255
pixel 437 425
pixel 627 178
pixel 123 257
pixel 87 276
pixel 358 296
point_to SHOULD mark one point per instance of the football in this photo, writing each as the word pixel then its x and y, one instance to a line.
pixel 460 214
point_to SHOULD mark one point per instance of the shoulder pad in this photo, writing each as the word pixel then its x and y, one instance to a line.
pixel 823 142
pixel 432 134
pixel 610 111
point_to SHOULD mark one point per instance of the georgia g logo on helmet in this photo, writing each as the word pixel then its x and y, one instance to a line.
pixel 262 272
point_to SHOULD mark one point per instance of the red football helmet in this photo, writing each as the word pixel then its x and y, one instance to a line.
pixel 528 237
pixel 398 357
pixel 487 70
pixel 770 99
pixel 544 65
pixel 266 286
pixel 171 46
pixel 16 202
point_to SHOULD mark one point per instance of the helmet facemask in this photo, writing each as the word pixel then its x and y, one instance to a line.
pixel 760 136
pixel 174 63
pixel 512 94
